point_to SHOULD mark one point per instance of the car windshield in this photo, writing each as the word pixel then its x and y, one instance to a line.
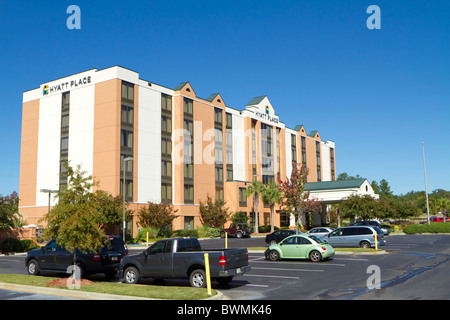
pixel 316 239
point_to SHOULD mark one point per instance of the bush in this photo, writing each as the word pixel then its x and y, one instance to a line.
pixel 185 233
pixel 142 235
pixel 434 227
pixel 266 228
pixel 208 232
pixel 16 245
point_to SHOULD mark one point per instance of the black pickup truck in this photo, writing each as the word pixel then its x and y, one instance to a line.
pixel 184 258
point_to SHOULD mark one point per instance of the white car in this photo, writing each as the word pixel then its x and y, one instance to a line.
pixel 320 232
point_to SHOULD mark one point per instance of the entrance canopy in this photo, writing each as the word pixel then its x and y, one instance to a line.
pixel 330 192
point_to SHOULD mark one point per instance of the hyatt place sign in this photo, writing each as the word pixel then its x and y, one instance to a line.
pixel 65 85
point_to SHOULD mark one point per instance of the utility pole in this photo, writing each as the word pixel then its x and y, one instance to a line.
pixel 426 188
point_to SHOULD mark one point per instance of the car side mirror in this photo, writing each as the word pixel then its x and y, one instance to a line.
pixel 328 235
pixel 145 253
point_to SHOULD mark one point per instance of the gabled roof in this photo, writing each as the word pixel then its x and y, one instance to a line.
pixel 180 86
pixel 212 97
pixel 255 101
pixel 332 185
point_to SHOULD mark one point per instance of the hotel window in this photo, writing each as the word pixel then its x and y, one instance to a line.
pixel 304 152
pixel 166 148
pixel 166 102
pixel 126 138
pixel 64 142
pixel 188 171
pixel 319 176
pixel 333 176
pixel 188 193
pixel 166 168
pixel 127 115
pixel 218 116
pixel 166 192
pixel 253 131
pixel 242 197
pixel 65 100
pixel 188 147
pixel 219 194
pixel 188 106
pixel 166 124
pixel 294 147
pixel 65 123
pixel 127 91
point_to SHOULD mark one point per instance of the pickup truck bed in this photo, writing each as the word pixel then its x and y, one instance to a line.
pixel 184 258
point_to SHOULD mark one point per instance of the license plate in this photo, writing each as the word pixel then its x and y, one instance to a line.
pixel 114 259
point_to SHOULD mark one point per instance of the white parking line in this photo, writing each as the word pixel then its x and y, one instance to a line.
pixel 266 276
pixel 303 263
pixel 282 269
pixel 256 285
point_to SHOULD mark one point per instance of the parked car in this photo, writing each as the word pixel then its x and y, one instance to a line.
pixel 54 258
pixel 320 231
pixel 237 230
pixel 277 236
pixel 300 246
pixel 385 228
pixel 356 236
pixel 184 258
pixel 436 219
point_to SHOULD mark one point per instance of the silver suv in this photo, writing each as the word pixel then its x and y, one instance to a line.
pixel 356 236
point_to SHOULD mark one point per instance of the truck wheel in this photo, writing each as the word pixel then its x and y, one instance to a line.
pixel 33 267
pixel 274 255
pixel 239 234
pixel 225 280
pixel 131 275
pixel 198 278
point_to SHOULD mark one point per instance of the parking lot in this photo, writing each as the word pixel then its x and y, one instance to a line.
pixel 413 267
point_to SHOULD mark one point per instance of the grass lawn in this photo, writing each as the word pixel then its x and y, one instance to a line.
pixel 138 290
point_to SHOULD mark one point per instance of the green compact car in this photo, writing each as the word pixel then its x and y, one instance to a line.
pixel 300 246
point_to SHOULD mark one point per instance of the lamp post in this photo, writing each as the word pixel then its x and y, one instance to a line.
pixel 49 195
pixel 426 188
pixel 123 193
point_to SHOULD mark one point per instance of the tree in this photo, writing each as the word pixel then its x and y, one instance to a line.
pixel 295 197
pixel 9 209
pixel 239 217
pixel 157 215
pixel 76 220
pixel 272 195
pixel 443 204
pixel 255 189
pixel 359 206
pixel 213 213
pixel 385 190
pixel 112 209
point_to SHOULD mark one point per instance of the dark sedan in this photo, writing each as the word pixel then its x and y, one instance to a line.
pixel 278 235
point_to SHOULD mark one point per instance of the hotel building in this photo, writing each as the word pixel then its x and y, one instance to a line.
pixel 183 147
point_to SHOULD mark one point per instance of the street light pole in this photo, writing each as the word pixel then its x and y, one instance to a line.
pixel 49 195
pixel 426 188
pixel 123 193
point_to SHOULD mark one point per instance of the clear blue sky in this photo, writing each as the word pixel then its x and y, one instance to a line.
pixel 377 93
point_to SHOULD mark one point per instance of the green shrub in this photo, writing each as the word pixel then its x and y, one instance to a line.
pixel 208 232
pixel 434 227
pixel 142 235
pixel 16 245
pixel 185 233
pixel 266 228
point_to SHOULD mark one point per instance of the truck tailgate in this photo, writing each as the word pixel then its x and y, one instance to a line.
pixel 236 258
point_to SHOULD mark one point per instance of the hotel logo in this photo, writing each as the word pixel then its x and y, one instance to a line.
pixel 45 90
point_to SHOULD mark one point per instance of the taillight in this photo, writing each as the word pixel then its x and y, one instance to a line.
pixel 323 248
pixel 375 236
pixel 222 261
pixel 96 257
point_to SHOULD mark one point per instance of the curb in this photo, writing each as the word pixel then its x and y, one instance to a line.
pixel 83 294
